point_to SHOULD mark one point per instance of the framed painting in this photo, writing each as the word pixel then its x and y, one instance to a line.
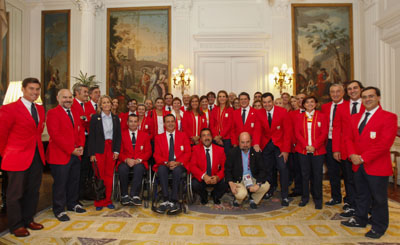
pixel 138 53
pixel 55 54
pixel 322 36
pixel 5 49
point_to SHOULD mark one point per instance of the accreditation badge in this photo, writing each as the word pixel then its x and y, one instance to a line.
pixel 146 126
pixel 278 127
pixel 319 124
pixel 141 148
pixel 226 114
pixel 182 149
pixel 247 181
pixel 372 135
pixel 252 125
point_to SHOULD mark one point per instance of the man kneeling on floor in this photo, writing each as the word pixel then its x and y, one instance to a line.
pixel 135 152
pixel 245 173
pixel 207 167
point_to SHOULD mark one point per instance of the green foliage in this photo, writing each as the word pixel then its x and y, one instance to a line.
pixel 86 80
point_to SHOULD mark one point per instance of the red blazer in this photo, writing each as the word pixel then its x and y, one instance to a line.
pixel 147 126
pixel 77 108
pixel 198 163
pixel 280 132
pixel 326 109
pixel 142 147
pixel 293 117
pixel 319 133
pixel 89 111
pixel 221 123
pixel 182 149
pixel 64 137
pixel 153 116
pixel 238 127
pixel 176 121
pixel 123 118
pixel 341 128
pixel 183 108
pixel 374 143
pixel 19 136
pixel 189 124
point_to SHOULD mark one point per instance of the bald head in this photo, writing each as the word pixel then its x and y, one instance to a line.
pixel 64 98
pixel 245 141
pixel 186 99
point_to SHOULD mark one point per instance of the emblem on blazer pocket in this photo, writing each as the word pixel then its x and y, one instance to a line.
pixel 372 135
pixel 182 149
pixel 252 125
pixel 141 148
pixel 278 127
pixel 146 126
pixel 226 114
pixel 319 124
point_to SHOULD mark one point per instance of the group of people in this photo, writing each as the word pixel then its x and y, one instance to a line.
pixel 222 141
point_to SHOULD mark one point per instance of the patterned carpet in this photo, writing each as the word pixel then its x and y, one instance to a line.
pixel 131 225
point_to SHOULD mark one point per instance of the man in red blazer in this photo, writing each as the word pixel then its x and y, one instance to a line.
pixel 23 156
pixel 207 167
pixel 336 92
pixel 172 155
pixel 132 106
pixel 339 132
pixel 135 152
pixel 67 138
pixel 243 119
pixel 372 134
pixel 168 97
pixel 273 137
pixel 91 105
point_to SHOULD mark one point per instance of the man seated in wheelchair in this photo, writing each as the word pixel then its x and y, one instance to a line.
pixel 135 152
pixel 207 168
pixel 172 155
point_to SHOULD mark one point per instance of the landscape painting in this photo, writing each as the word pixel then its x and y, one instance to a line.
pixel 322 36
pixel 138 53
pixel 55 55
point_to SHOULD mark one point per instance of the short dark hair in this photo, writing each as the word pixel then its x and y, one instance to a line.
pixel 211 93
pixel 354 81
pixel 177 99
pixel 159 98
pixel 244 94
pixel 205 129
pixel 308 98
pixel 377 91
pixel 203 97
pixel 258 92
pixel 91 89
pixel 133 115
pixel 169 115
pixel 165 96
pixel 129 101
pixel 267 94
pixel 77 88
pixel 29 80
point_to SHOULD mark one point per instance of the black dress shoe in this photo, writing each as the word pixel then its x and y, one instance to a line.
pixel 346 206
pixel 175 209
pixel 77 209
pixel 216 200
pixel 235 204
pixel 253 205
pixel 318 206
pixel 352 222
pixel 373 234
pixel 285 202
pixel 332 202
pixel 164 206
pixel 302 204
pixel 268 195
pixel 348 213
pixel 294 194
pixel 62 217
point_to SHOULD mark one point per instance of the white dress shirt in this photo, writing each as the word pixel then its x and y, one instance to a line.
pixel 65 109
pixel 205 151
pixel 28 105
pixel 358 106
pixel 271 112
pixel 330 117
pixel 179 121
pixel 80 104
pixel 168 136
pixel 93 104
pixel 160 124
pixel 309 126
pixel 371 113
pixel 247 112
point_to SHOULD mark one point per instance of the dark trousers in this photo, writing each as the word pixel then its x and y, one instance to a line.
pixel 227 145
pixel 66 184
pixel 136 182
pixel 295 172
pixel 272 160
pixel 333 173
pixel 372 190
pixel 311 166
pixel 23 193
pixel 349 185
pixel 163 173
pixel 200 188
pixel 86 171
pixel 4 184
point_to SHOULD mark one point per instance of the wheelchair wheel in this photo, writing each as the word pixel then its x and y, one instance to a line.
pixel 116 192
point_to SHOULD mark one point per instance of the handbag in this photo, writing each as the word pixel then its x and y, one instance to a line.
pixel 96 185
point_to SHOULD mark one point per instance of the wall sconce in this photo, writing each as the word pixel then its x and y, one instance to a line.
pixel 283 77
pixel 182 78
pixel 14 92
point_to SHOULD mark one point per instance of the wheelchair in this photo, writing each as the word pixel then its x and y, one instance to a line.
pixel 145 190
pixel 185 194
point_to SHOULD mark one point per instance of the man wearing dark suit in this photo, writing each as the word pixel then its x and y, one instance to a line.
pixel 273 137
pixel 372 134
pixel 207 167
pixel 336 92
pixel 23 156
pixel 91 106
pixel 67 138
pixel 339 133
pixel 135 152
pixel 172 155
pixel 245 173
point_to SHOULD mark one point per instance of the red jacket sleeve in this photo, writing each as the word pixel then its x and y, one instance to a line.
pixel 287 133
pixel 7 120
pixel 195 169
pixel 321 139
pixel 56 132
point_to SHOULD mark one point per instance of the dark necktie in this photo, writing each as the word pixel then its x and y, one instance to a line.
pixel 208 162
pixel 244 116
pixel 169 108
pixel 354 109
pixel 302 110
pixel 363 123
pixel 34 114
pixel 210 107
pixel 269 119
pixel 334 112
pixel 133 141
pixel 83 107
pixel 70 117
pixel 95 107
pixel 171 148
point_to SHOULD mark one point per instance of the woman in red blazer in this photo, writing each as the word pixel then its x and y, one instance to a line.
pixel 204 108
pixel 311 130
pixel 157 116
pixel 194 120
pixel 177 112
pixel 221 121
pixel 145 123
